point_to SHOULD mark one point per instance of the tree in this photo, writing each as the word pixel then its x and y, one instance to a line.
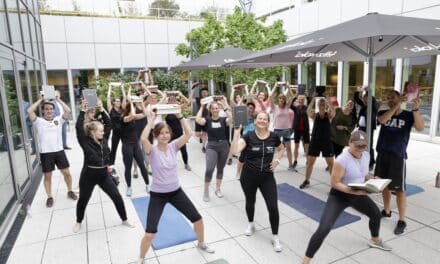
pixel 164 8
pixel 238 30
pixel 43 5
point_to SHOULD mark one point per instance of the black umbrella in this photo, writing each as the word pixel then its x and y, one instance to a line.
pixel 370 37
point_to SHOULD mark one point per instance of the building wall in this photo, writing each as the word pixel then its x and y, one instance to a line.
pixel 72 42
pixel 310 16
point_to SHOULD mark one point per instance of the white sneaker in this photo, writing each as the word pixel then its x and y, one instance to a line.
pixel 128 224
pixel 218 193
pixel 205 247
pixel 277 245
pixel 250 230
pixel 147 188
pixel 206 196
pixel 129 191
pixel 76 228
pixel 237 176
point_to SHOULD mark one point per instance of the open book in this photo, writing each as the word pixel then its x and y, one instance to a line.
pixel 372 185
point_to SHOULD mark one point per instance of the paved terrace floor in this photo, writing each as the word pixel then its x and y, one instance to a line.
pixel 47 237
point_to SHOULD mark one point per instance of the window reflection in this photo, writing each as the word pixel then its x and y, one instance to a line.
pixel 14 24
pixel 421 72
pixel 3 25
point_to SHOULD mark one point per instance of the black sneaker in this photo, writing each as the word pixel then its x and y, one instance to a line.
pixel 203 149
pixel 229 161
pixel 304 184
pixel 400 227
pixel 385 214
pixel 294 164
pixel 135 175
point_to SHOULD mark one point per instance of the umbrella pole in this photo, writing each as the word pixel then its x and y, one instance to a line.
pixel 370 90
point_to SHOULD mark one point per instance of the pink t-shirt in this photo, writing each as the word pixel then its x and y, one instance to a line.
pixel 164 166
pixel 283 117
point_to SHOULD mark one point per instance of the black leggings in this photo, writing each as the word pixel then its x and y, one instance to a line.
pixel 130 151
pixel 116 137
pixel 178 199
pixel 184 153
pixel 336 203
pixel 250 182
pixel 88 179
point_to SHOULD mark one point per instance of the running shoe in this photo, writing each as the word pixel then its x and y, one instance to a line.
pixel 206 196
pixel 205 247
pixel 277 245
pixel 229 161
pixel 147 188
pixel 49 202
pixel 294 164
pixel 129 191
pixel 250 230
pixel 76 228
pixel 379 244
pixel 72 195
pixel 218 193
pixel 400 227
pixel 135 174
pixel 305 184
pixel 187 167
pixel 203 149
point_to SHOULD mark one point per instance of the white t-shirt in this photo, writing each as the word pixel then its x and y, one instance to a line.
pixel 50 134
pixel 355 169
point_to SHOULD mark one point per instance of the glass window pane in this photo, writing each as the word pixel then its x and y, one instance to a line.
pixel 384 77
pixel 353 77
pixel 34 36
pixel 18 140
pixel 421 72
pixel 14 24
pixel 292 77
pixel 329 77
pixel 7 193
pixel 25 29
pixel 4 37
pixel 40 42
pixel 309 75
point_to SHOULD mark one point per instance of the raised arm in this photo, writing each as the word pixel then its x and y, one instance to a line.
pixel 146 133
pixel 191 93
pixel 232 96
pixel 254 87
pixel 419 123
pixel 238 144
pixel 199 118
pixel 183 98
pixel 79 126
pixel 105 119
pixel 124 96
pixel 66 108
pixel 227 109
pixel 109 98
pixel 31 110
pixel 187 132
pixel 310 111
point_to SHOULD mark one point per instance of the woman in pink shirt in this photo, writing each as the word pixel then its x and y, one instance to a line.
pixel 166 187
pixel 282 123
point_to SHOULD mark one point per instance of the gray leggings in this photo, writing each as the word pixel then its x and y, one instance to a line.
pixel 216 155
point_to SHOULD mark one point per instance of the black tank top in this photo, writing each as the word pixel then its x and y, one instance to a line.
pixel 140 123
pixel 128 132
pixel 216 129
pixel 115 116
pixel 321 128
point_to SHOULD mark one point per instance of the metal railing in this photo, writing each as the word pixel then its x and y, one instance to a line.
pixel 125 9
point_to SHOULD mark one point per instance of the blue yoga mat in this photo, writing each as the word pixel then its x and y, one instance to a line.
pixel 413 189
pixel 310 205
pixel 173 228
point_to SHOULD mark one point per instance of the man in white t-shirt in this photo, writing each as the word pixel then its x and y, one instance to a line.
pixel 49 133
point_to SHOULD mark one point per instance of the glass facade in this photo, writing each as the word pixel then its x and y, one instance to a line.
pixel 329 77
pixel 21 77
pixel 384 76
pixel 352 77
pixel 420 71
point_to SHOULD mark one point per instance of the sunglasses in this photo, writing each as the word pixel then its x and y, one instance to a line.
pixel 361 146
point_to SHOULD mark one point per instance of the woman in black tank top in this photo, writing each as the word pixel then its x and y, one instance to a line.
pixel 114 108
pixel 320 141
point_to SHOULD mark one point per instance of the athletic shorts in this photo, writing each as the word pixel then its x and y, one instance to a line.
pixel 317 147
pixel 50 159
pixel 301 135
pixel 283 134
pixel 390 166
pixel 176 198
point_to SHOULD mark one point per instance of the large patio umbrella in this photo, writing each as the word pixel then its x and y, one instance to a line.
pixel 370 37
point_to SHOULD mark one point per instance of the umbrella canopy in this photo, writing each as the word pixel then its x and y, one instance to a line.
pixel 390 36
pixel 370 37
pixel 215 59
